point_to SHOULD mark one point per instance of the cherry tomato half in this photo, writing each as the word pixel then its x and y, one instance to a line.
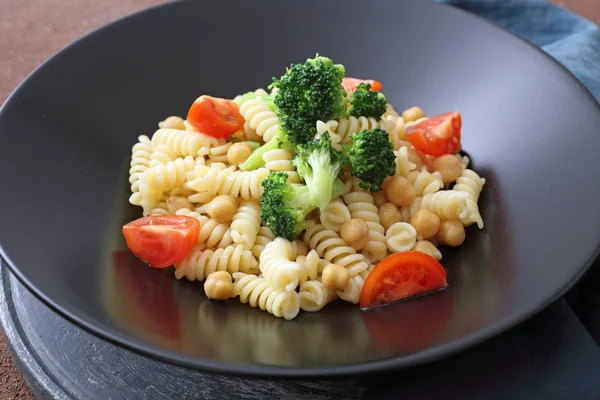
pixel 350 84
pixel 215 117
pixel 161 241
pixel 400 276
pixel 437 135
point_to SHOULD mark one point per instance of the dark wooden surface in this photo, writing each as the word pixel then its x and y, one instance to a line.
pixel 32 30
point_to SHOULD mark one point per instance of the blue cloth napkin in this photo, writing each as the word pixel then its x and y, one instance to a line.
pixel 569 38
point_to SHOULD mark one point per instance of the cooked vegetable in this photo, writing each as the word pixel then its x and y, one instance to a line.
pixel 401 276
pixel 215 117
pixel 367 103
pixel 319 164
pixel 437 135
pixel 371 157
pixel 284 205
pixel 161 241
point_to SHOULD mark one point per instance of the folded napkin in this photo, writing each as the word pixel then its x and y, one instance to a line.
pixel 553 355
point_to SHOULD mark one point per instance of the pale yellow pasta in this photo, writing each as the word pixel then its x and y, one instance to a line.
pixel 246 223
pixel 201 262
pixel 162 178
pixel 403 164
pixel 452 204
pixel 362 206
pixel 219 153
pixel 161 208
pixel 264 237
pixel 258 292
pixel 351 292
pixel 390 111
pixel 277 266
pixel 470 182
pixel 425 182
pixel 427 247
pixel 280 160
pixel 141 155
pixel 260 118
pixel 400 237
pixel 310 266
pixel 172 122
pixel 314 296
pixel 332 247
pixel 212 233
pixel 394 126
pixel 335 214
pixel 184 143
pixel 410 210
pixel 350 125
pixel 331 128
pixel 162 155
pixel 218 180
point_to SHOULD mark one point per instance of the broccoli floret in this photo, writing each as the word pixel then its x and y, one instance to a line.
pixel 319 164
pixel 371 157
pixel 307 93
pixel 284 205
pixel 367 103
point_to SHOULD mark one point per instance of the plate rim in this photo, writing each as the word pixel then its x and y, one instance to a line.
pixel 421 357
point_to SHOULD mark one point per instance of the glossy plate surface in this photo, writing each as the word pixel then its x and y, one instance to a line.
pixel 66 133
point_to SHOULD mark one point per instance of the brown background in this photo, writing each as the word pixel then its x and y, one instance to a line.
pixel 32 30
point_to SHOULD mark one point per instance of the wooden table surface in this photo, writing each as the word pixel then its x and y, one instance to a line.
pixel 33 30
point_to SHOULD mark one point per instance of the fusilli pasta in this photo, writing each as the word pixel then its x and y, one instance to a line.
pixel 200 262
pixel 246 223
pixel 258 292
pixel 277 266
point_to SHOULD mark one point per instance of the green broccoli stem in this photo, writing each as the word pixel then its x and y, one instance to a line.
pixel 256 161
pixel 268 99
pixel 253 145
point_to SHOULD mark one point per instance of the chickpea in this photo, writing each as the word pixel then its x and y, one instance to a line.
pixel 425 223
pixel 451 233
pixel 172 123
pixel 175 203
pixel 356 233
pixel 238 153
pixel 389 215
pixel 218 285
pixel 425 246
pixel 335 277
pixel 400 192
pixel 379 198
pixel 448 166
pixel 222 208
pixel 413 114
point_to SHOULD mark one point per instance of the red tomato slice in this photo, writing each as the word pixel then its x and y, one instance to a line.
pixel 350 84
pixel 437 135
pixel 215 117
pixel 161 241
pixel 400 276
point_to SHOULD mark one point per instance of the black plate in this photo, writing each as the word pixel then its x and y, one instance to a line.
pixel 67 131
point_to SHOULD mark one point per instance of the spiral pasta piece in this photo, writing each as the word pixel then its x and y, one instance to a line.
pixel 161 208
pixel 141 156
pixel 350 125
pixel 264 237
pixel 449 204
pixel 425 182
pixel 310 266
pixel 403 164
pixel 362 206
pixel 351 292
pixel 280 160
pixel 410 210
pixel 277 266
pixel 218 180
pixel 400 237
pixel 425 246
pixel 162 155
pixel 219 153
pixel 212 233
pixel 332 247
pixel 335 214
pixel 331 128
pixel 258 292
pixel 162 178
pixel 246 223
pixel 184 143
pixel 313 296
pixel 260 118
pixel 201 262
pixel 394 126
pixel 471 183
